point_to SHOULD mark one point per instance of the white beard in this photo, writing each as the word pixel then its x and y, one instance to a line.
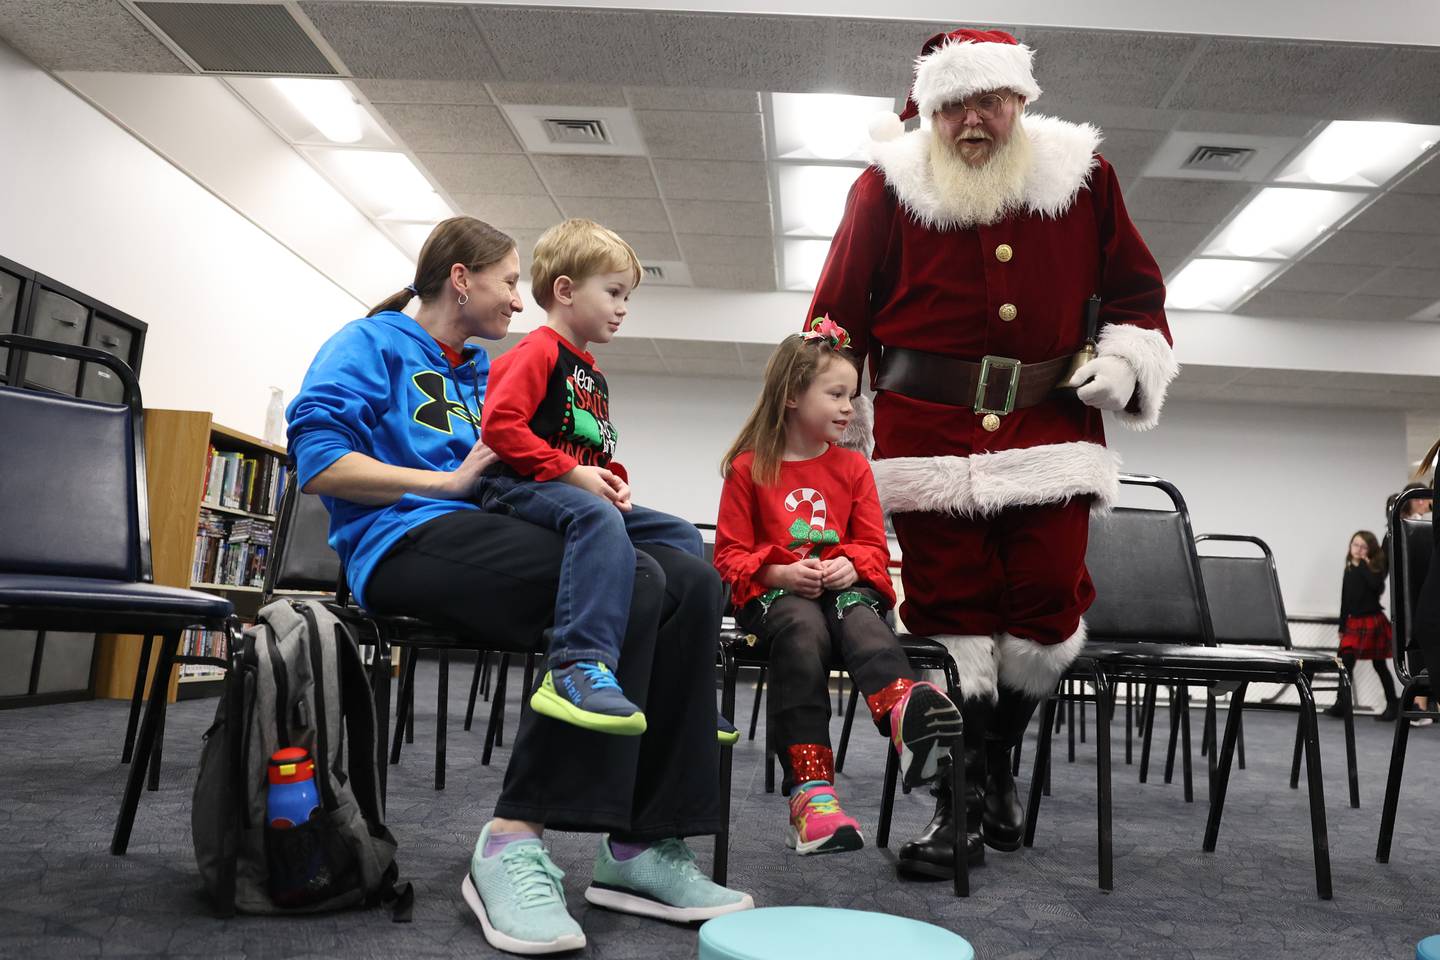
pixel 968 195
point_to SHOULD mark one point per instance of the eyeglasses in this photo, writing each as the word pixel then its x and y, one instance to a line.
pixel 988 106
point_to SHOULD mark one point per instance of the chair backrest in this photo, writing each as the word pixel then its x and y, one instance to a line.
pixel 301 558
pixel 1243 594
pixel 1411 546
pixel 1147 579
pixel 73 498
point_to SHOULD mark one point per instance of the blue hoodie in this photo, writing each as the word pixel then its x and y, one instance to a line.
pixel 382 387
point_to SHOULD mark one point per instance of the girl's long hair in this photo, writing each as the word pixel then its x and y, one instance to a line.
pixel 792 368
pixel 1377 561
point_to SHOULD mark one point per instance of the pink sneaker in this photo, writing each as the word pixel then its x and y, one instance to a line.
pixel 923 723
pixel 819 825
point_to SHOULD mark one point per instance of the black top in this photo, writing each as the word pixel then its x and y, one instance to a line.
pixel 1360 593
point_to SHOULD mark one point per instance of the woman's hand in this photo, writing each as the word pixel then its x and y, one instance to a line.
pixel 838 573
pixel 459 483
pixel 804 578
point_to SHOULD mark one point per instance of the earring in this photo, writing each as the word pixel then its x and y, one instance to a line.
pixel 464 299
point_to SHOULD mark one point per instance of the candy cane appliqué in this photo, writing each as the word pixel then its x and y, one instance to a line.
pixel 808 538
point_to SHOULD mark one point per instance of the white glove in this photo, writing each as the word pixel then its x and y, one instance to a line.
pixel 1112 383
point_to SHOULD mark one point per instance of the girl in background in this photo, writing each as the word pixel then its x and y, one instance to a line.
pixel 1364 628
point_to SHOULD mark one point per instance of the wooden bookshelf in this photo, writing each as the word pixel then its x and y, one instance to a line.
pixel 177 445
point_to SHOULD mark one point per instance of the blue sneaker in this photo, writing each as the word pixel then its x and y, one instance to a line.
pixel 585 693
pixel 516 895
pixel 725 731
pixel 663 882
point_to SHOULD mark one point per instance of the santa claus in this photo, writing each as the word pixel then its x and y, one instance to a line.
pixel 969 259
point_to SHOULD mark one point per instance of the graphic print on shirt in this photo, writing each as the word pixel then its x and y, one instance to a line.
pixel 437 408
pixel 586 432
pixel 807 538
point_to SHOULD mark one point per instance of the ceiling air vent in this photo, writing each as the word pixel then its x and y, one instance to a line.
pixel 654 272
pixel 593 132
pixel 1218 159
pixel 239 37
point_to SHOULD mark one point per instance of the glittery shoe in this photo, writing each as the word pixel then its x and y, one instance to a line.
pixel 922 725
pixel 819 825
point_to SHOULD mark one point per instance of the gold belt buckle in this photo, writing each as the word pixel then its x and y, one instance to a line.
pixel 993 363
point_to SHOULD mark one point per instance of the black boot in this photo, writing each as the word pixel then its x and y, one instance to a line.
pixel 1003 823
pixel 932 853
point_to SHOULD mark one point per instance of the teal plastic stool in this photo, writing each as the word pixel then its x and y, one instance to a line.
pixel 1427 949
pixel 784 933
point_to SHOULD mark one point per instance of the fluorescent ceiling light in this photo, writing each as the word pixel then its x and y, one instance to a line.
pixel 1279 222
pixel 386 186
pixel 824 126
pixel 812 198
pixel 327 104
pixel 1360 153
pixel 1215 284
pixel 803 262
pixel 307 111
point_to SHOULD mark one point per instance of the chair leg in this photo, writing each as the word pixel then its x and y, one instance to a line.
pixel 1174 735
pixel 1319 836
pixel 755 705
pixel 150 725
pixel 845 730
pixel 1222 781
pixel 887 803
pixel 1059 714
pixel 503 690
pixel 158 751
pixel 497 709
pixel 1240 745
pixel 529 686
pixel 1351 772
pixel 1040 773
pixel 1210 735
pixel 474 689
pixel 1186 773
pixel 487 675
pixel 137 696
pixel 380 690
pixel 1104 710
pixel 1147 730
pixel 410 701
pixel 1070 687
pixel 1129 722
pixel 1299 745
pixel 407 695
pixel 960 860
pixel 1205 731
pixel 1392 781
pixel 442 711
pixel 770 764
pixel 727 759
pixel 1015 758
pixel 1084 707
pixel 839 690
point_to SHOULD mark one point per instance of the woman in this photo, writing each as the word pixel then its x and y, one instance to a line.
pixel 386 429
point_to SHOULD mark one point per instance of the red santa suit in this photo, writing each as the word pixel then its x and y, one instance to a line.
pixel 992 517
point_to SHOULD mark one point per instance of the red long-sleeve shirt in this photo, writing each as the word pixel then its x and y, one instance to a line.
pixel 828 503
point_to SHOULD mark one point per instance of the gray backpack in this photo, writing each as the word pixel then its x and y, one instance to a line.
pixel 297 680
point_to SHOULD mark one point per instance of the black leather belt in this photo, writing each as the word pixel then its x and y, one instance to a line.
pixel 995 385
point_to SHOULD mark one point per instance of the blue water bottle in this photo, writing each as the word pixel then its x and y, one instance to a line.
pixel 291 798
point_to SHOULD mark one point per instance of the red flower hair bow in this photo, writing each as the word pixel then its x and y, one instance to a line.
pixel 823 328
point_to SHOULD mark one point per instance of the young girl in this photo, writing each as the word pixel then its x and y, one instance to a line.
pixel 801 542
pixel 1364 628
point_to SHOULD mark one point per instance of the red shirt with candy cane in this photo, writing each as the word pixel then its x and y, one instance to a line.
pixel 825 507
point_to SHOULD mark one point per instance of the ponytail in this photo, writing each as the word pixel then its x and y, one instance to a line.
pixel 395 302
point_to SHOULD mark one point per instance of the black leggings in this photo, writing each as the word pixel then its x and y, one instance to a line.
pixel 1385 680
pixel 494 578
pixel 806 640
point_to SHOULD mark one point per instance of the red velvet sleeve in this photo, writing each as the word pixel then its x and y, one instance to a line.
pixel 737 556
pixel 852 268
pixel 517 385
pixel 1132 289
pixel 865 542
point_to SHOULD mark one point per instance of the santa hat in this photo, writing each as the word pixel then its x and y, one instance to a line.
pixel 954 65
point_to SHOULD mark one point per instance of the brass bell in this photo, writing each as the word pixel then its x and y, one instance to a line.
pixel 1071 380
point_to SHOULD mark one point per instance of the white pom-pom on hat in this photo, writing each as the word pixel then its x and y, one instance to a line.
pixel 885 126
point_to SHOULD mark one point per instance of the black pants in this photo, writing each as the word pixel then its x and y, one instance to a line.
pixel 1385 680
pixel 806 639
pixel 494 577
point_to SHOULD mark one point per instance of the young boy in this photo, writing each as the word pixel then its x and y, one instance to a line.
pixel 547 416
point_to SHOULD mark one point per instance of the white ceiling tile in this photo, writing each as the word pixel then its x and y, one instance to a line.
pixel 558 94
pixel 865 57
pixel 1424 180
pixel 702 136
pixel 1401 213
pixel 698 350
pixel 1170 240
pixel 425 91
pixel 404 41
pixel 1307 79
pixel 1129 151
pixel 1403 282
pixel 1288 303
pixel 713 180
pixel 1407 85
pixel 476 173
pixel 450 128
pixel 1372 307
pixel 737 51
pixel 1130 69
pixel 1309 277
pixel 722 276
pixel 506 210
pixel 735 251
pixel 572 176
pixel 619 214
pixel 1103 115
pixel 604 47
pixel 721 218
pixel 84 35
pixel 697 99
pixel 1361 247
pixel 1249 124
pixel 525 240
pixel 1190 201
pixel 1424 252
pixel 653 246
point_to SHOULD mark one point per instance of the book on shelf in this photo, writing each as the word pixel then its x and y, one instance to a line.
pixel 200 642
pixel 231 551
pixel 238 481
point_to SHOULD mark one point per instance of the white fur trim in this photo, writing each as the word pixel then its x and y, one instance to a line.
pixel 960 68
pixel 974 658
pixel 1154 362
pixel 885 126
pixel 983 484
pixel 1062 156
pixel 1035 668
pixel 859 433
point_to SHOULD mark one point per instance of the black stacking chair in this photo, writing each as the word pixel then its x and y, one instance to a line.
pixel 1413 544
pixel 75 554
pixel 1246 609
pixel 1151 623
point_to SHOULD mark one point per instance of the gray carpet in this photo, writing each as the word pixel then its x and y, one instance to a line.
pixel 63 895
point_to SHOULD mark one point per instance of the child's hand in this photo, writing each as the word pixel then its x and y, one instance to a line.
pixel 838 573
pixel 802 578
pixel 601 482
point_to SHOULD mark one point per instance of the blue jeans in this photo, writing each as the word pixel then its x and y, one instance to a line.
pixel 597 572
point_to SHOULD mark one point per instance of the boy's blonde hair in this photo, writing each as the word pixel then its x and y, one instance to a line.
pixel 578 249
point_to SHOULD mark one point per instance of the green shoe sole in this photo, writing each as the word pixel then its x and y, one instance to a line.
pixel 546 702
pixel 727 739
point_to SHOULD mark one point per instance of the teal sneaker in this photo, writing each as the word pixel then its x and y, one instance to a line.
pixel 516 895
pixel 663 882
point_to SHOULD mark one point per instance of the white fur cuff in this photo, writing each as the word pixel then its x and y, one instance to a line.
pixel 974 658
pixel 1154 362
pixel 983 484
pixel 1033 668
pixel 859 433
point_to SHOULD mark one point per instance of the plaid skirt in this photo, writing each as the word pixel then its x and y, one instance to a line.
pixel 1367 637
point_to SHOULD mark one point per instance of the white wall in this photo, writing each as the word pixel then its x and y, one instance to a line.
pixel 230 310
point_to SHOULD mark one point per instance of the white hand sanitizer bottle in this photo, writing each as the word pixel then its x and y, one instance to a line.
pixel 275 417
